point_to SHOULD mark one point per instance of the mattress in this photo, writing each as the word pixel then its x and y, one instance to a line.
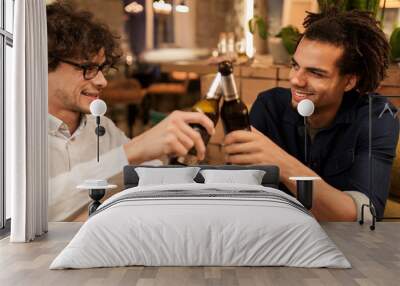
pixel 201 225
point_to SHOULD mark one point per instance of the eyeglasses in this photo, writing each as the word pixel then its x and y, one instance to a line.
pixel 90 70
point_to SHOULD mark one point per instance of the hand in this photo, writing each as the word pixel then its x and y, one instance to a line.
pixel 251 148
pixel 172 136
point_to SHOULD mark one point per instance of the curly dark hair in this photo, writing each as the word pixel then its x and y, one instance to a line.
pixel 366 49
pixel 75 34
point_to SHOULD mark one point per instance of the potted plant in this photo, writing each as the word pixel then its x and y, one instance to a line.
pixel 395 45
pixel 347 5
pixel 282 45
pixel 288 36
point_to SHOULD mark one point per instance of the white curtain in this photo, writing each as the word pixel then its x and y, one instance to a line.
pixel 26 117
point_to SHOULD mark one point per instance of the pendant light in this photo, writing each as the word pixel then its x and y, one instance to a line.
pixel 182 7
pixel 134 8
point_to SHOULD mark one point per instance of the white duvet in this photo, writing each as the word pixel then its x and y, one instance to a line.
pixel 201 230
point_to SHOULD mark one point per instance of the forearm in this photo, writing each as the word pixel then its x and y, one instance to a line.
pixel 329 203
pixel 133 151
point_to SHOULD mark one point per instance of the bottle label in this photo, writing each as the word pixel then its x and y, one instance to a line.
pixel 229 88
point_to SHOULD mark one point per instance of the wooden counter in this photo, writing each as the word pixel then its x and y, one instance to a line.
pixel 374 255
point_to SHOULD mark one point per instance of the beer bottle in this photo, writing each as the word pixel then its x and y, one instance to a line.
pixel 210 107
pixel 234 113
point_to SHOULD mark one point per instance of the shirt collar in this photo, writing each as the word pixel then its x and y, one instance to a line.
pixel 347 111
pixel 57 125
pixel 54 123
pixel 345 115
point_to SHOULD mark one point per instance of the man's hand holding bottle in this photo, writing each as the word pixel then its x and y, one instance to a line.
pixel 172 137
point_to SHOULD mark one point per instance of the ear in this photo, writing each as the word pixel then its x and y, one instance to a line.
pixel 351 82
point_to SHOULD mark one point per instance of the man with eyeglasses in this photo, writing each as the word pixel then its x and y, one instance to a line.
pixel 80 51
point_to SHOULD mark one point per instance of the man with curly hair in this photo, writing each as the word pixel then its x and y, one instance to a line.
pixel 340 59
pixel 80 51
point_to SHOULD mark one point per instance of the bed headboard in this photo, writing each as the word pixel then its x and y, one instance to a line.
pixel 270 179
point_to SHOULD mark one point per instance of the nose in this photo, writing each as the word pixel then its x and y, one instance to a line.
pixel 99 80
pixel 297 78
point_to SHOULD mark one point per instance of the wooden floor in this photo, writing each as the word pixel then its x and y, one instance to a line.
pixel 375 257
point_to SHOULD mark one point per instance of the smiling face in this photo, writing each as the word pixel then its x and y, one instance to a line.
pixel 315 75
pixel 69 91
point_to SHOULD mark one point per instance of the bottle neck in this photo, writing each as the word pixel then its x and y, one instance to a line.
pixel 215 91
pixel 229 88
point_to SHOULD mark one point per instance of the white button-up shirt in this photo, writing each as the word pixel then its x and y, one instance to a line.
pixel 72 160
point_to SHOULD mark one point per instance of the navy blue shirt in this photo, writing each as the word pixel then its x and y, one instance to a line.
pixel 339 153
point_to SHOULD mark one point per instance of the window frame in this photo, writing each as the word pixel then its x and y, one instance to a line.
pixel 6 39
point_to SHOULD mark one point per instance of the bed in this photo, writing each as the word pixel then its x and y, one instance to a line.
pixel 205 221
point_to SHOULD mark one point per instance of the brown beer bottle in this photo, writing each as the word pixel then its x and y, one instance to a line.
pixel 234 113
pixel 210 107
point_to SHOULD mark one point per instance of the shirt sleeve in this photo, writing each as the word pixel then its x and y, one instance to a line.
pixel 385 134
pixel 360 199
pixel 267 115
pixel 117 136
pixel 259 115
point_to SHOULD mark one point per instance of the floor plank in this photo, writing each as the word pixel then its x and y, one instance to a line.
pixel 375 257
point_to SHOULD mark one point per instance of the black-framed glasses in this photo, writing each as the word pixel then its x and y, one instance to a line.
pixel 90 70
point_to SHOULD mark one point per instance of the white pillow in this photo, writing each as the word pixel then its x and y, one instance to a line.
pixel 163 176
pixel 248 177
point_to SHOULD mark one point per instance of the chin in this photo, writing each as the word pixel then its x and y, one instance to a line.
pixel 84 105
pixel 83 108
pixel 294 103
